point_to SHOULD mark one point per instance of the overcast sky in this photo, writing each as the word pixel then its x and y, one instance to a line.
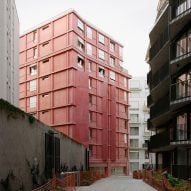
pixel 127 21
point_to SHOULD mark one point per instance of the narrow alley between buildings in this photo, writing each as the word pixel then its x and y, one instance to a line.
pixel 117 183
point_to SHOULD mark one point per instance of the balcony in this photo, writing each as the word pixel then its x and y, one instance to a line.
pixel 149 124
pixel 181 93
pixel 160 75
pixel 161 41
pixel 160 107
pixel 180 15
pixel 159 141
pixel 180 55
pixel 181 136
pixel 149 79
pixel 149 100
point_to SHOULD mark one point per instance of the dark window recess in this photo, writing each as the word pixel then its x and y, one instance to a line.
pixel 46 60
pixel 57 155
pixel 52 154
pixel 45 27
pixel 46 43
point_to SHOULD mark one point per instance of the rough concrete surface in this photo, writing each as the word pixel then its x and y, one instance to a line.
pixel 117 183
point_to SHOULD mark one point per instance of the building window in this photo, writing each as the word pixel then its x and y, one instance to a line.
pixel 112 75
pixel 32 85
pixel 35 52
pixel 134 166
pixel 101 72
pixel 45 61
pixel 134 155
pixel 45 27
pixel 90 150
pixel 125 82
pixel 90 133
pixel 32 102
pixel 181 47
pixel 45 95
pixel 134 131
pixel 90 83
pixel 90 99
pixel 45 44
pixel 90 116
pixel 126 124
pixel 89 49
pixel 125 96
pixel 126 109
pixel 112 46
pixel 134 143
pixel 121 63
pixel 134 118
pixel 146 154
pixel 182 6
pixel 181 133
pixel 80 44
pixel 125 138
pixel 101 54
pixel 89 33
pixel 90 67
pixel 80 61
pixel 134 84
pixel 33 70
pixel 112 61
pixel 45 77
pixel 35 36
pixel 101 39
pixel 80 25
pixel 120 51
pixel 134 105
pixel 134 94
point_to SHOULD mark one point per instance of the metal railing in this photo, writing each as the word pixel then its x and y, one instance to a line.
pixel 68 181
pixel 179 8
pixel 160 75
pixel 178 52
pixel 181 90
pixel 160 42
pixel 159 140
pixel 160 107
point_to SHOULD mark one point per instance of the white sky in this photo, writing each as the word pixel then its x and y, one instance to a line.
pixel 127 21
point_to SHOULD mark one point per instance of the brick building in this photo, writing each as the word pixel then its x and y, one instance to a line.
pixel 72 78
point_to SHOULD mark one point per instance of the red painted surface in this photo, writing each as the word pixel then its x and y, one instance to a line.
pixel 63 93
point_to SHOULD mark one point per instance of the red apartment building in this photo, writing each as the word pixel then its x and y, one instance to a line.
pixel 71 78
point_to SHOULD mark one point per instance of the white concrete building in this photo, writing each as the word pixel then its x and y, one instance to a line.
pixel 9 43
pixel 138 133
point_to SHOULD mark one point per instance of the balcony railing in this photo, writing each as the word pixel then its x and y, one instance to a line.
pixel 149 124
pixel 181 48
pixel 160 75
pixel 155 48
pixel 159 140
pixel 163 5
pixel 181 90
pixel 180 8
pixel 160 107
pixel 149 79
pixel 149 100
